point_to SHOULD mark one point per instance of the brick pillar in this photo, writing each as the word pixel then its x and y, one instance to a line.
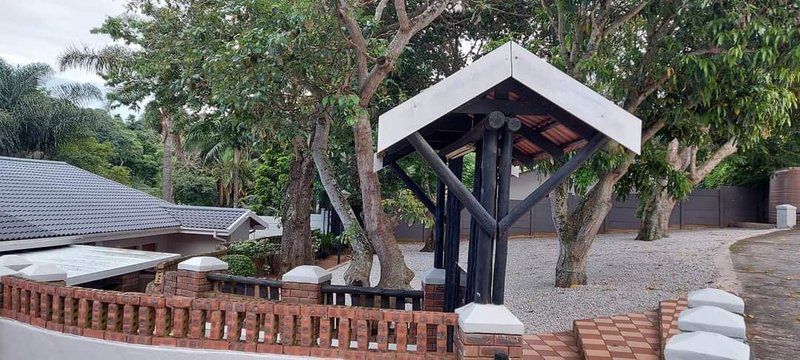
pixel 485 330
pixel 433 290
pixel 191 278
pixel 301 285
pixel 4 271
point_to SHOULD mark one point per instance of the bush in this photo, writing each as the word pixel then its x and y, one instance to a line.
pixel 258 251
pixel 240 265
pixel 323 244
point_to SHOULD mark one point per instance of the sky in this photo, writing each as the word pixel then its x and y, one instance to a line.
pixel 39 30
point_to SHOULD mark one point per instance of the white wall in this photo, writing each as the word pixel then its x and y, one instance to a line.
pixel 184 244
pixel 19 341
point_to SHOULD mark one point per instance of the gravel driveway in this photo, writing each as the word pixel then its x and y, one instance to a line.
pixel 624 275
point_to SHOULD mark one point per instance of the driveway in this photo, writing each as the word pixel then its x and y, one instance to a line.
pixel 768 269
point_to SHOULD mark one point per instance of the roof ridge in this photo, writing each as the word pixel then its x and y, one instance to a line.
pixel 56 162
pixel 198 207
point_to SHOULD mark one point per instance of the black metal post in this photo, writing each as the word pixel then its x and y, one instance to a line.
pixel 469 295
pixel 438 227
pixel 452 237
pixel 503 190
pixel 483 265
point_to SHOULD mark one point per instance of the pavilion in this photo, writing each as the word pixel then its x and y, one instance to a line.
pixel 510 107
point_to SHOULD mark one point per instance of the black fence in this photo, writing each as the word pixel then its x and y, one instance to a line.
pixel 371 297
pixel 245 286
pixel 720 207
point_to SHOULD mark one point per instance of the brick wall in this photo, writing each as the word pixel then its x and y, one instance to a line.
pixel 171 320
pixel 485 346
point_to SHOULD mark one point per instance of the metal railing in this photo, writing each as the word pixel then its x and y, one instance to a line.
pixel 371 297
pixel 245 286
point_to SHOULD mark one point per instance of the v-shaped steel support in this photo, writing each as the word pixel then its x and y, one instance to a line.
pixel 554 180
pixel 458 189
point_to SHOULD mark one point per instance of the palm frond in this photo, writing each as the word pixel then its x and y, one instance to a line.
pixel 77 93
pixel 86 58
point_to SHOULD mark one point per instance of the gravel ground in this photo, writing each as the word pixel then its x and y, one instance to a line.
pixel 624 275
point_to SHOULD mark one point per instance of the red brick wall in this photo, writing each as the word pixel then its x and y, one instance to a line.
pixel 485 346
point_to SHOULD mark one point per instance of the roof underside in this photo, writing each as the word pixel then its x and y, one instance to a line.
pixel 40 199
pixel 558 114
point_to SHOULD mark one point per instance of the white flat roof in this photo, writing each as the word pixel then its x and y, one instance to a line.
pixel 85 263
pixel 510 61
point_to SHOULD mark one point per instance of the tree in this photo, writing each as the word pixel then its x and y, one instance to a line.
pixel 372 65
pixel 36 120
pixel 745 86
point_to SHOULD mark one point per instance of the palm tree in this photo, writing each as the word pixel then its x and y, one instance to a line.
pixel 116 60
pixel 226 141
pixel 35 120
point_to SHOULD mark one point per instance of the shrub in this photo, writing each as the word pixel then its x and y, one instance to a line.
pixel 240 265
pixel 323 244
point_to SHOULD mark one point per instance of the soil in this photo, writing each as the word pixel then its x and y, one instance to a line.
pixel 330 261
pixel 768 270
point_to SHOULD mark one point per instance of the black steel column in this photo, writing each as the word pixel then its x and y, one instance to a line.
pixel 452 237
pixel 469 295
pixel 503 194
pixel 438 227
pixel 483 265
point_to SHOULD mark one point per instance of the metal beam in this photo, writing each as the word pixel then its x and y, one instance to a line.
pixel 452 237
pixel 472 136
pixel 486 106
pixel 438 166
pixel 503 200
pixel 438 227
pixel 412 185
pixel 554 180
pixel 542 142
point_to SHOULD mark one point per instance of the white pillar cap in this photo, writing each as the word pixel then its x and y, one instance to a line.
pixel 5 271
pixel 307 274
pixel 716 297
pixel 488 319
pixel 14 262
pixel 203 264
pixel 702 345
pixel 786 207
pixel 433 277
pixel 712 319
pixel 43 272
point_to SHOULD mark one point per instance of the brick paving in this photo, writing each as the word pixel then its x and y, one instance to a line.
pixel 631 336
pixel 560 345
pixel 668 312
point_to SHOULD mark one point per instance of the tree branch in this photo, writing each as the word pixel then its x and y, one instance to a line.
pixel 727 149
pixel 402 15
pixel 626 17
pixel 356 38
pixel 379 10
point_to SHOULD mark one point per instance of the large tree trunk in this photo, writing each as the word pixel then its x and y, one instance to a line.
pixel 657 208
pixel 166 158
pixel 235 181
pixel 357 273
pixel 394 272
pixel 577 229
pixel 296 246
pixel 656 212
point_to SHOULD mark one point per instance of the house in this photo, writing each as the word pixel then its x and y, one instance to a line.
pixel 50 211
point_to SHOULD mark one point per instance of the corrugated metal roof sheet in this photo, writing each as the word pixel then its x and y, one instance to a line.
pixel 47 198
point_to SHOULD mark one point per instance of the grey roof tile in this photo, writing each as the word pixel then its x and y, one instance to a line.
pixel 47 198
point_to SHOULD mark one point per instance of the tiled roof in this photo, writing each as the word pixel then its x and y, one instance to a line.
pixel 47 198
pixel 201 217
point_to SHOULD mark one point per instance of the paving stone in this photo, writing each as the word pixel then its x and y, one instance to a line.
pixel 712 319
pixel 716 297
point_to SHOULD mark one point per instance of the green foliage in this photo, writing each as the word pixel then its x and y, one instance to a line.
pixel 405 207
pixel 88 154
pixel 240 265
pixel 271 179
pixel 255 249
pixel 194 187
pixel 323 244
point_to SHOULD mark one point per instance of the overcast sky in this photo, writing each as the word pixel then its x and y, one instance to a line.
pixel 39 30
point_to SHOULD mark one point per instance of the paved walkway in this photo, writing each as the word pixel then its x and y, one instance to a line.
pixel 768 269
